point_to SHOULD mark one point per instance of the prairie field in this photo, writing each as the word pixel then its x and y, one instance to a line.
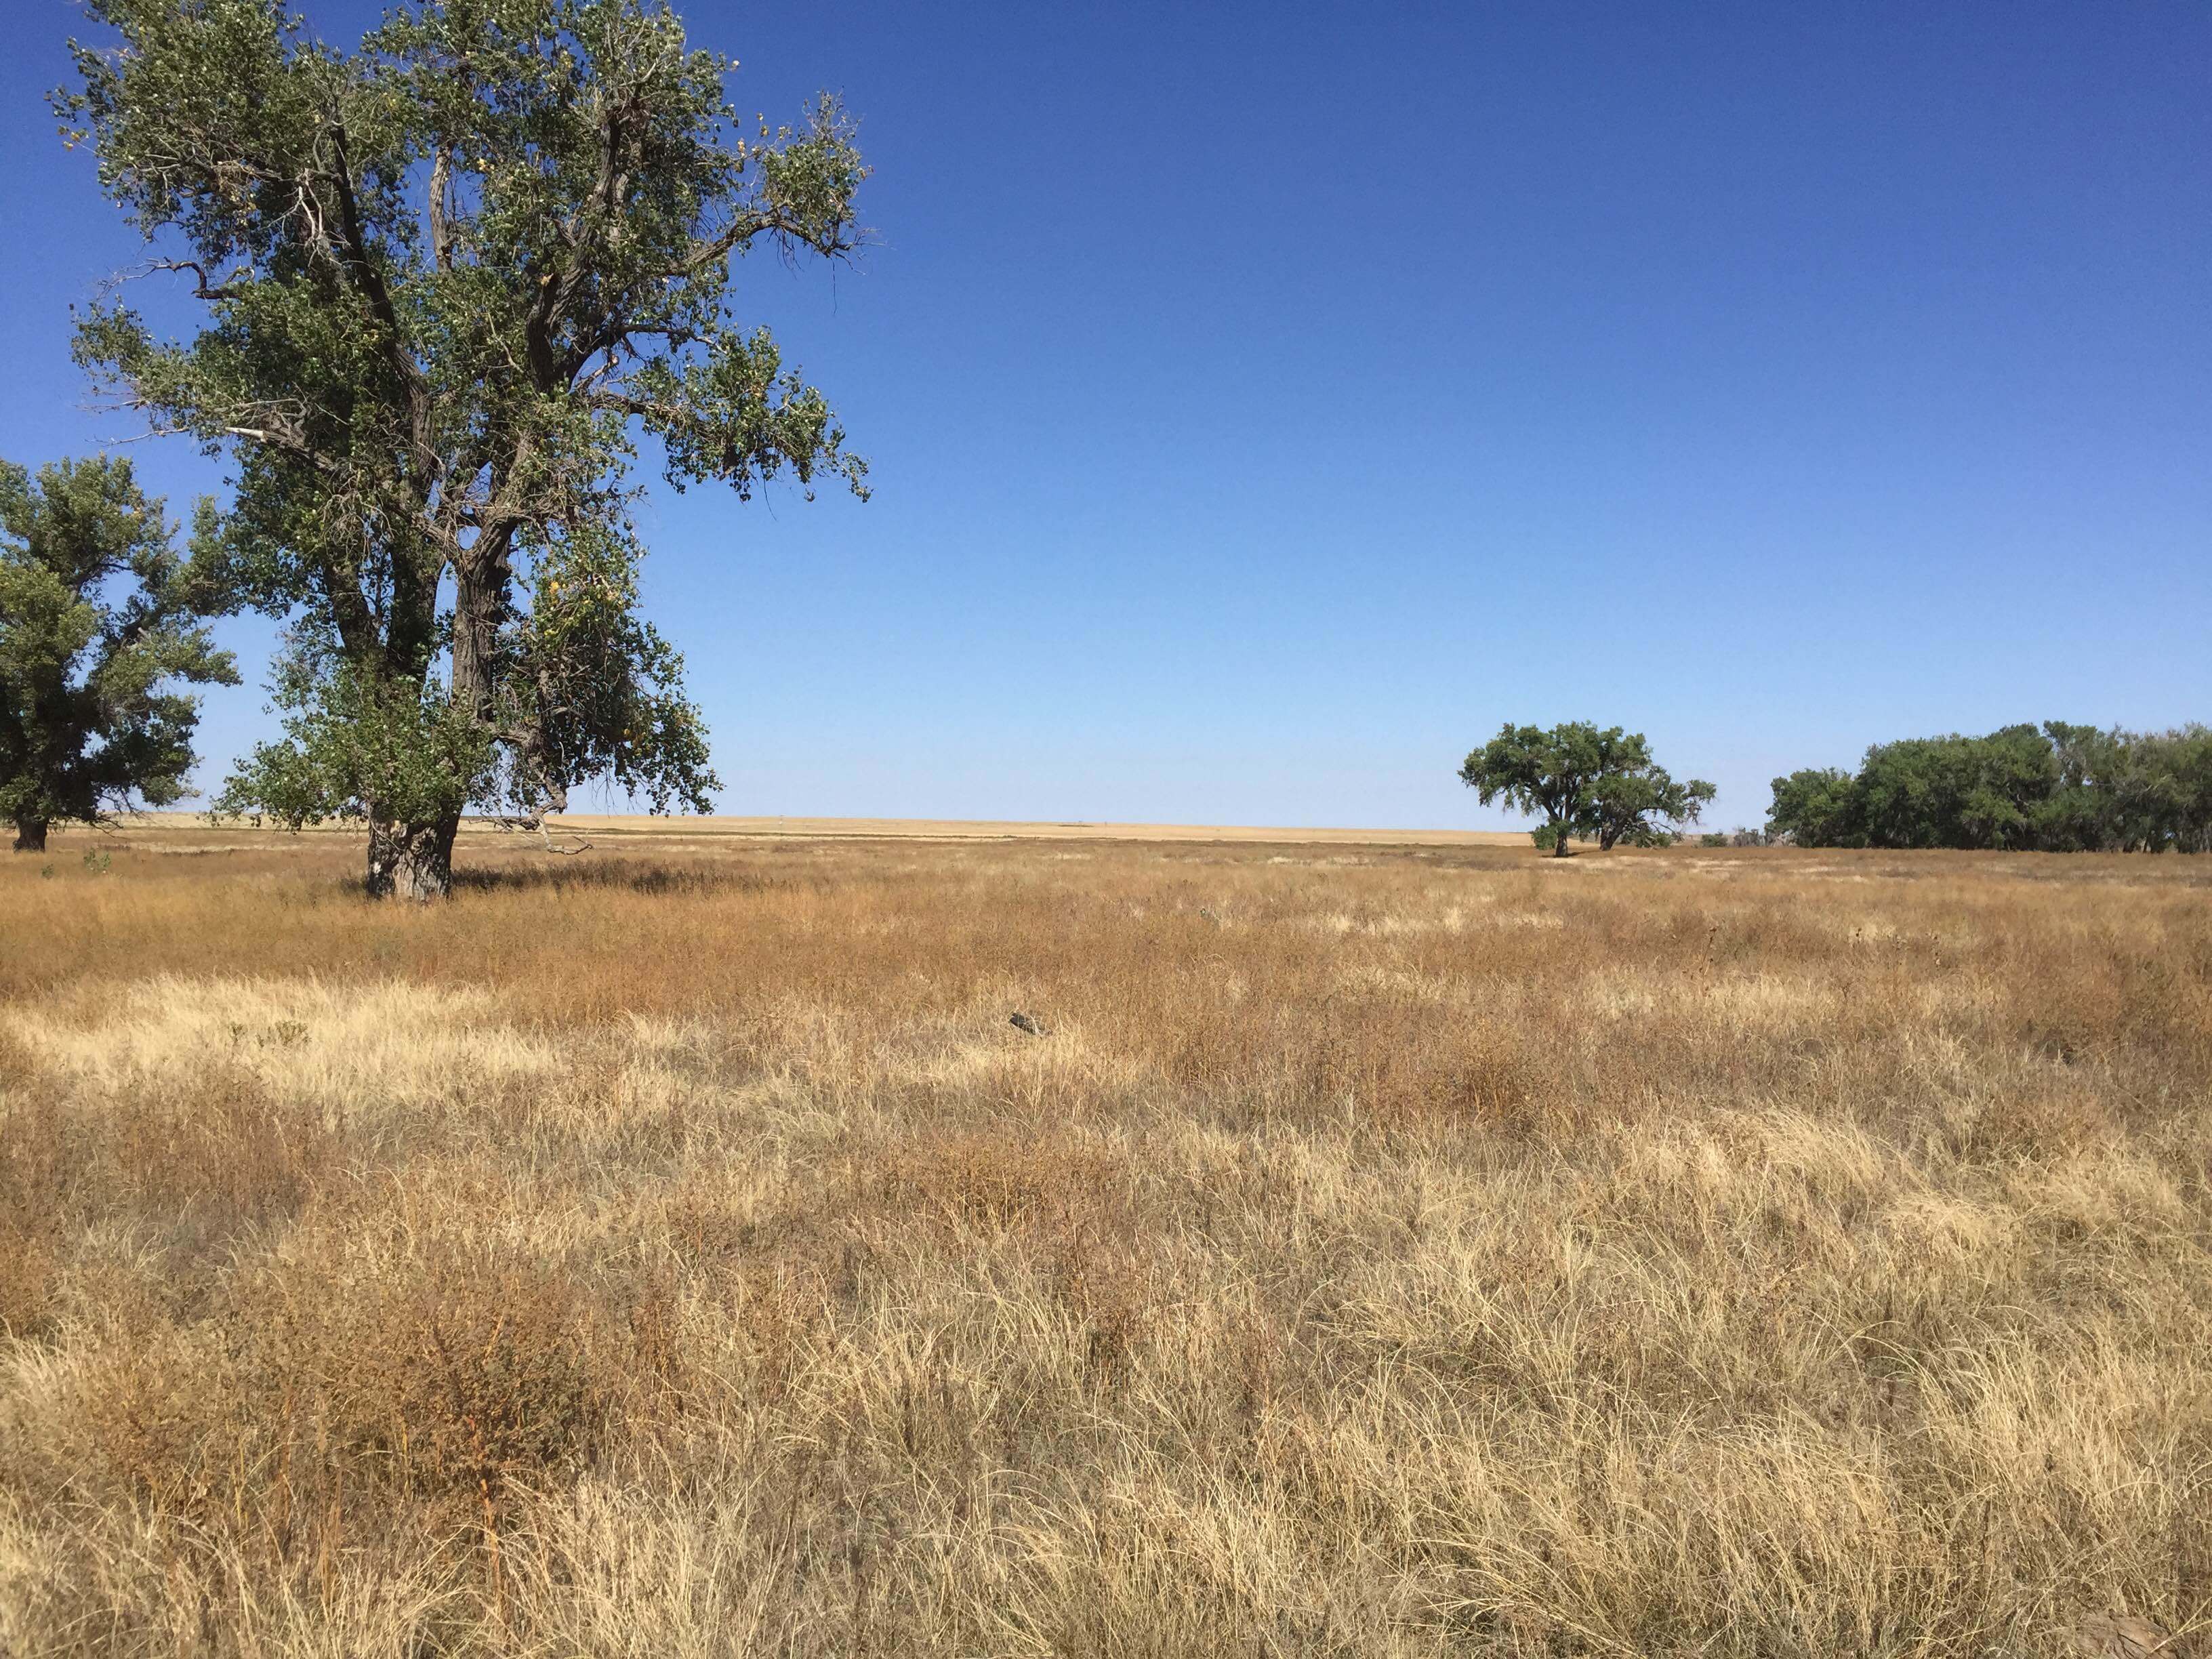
pixel 1376 1249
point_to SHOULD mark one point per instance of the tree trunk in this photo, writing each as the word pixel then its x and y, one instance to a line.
pixel 411 860
pixel 1559 841
pixel 480 590
pixel 30 835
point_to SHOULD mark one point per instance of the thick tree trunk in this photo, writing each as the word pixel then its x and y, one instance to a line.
pixel 480 590
pixel 30 835
pixel 1559 841
pixel 411 860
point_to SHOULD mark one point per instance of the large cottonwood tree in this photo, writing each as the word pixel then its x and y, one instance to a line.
pixel 451 278
pixel 1586 780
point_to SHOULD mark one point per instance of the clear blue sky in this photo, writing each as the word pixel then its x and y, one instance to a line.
pixel 1266 401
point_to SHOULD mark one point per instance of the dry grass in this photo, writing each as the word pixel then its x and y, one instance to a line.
pixel 1386 1251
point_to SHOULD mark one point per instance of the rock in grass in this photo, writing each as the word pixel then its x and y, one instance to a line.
pixel 1022 1022
pixel 2123 1635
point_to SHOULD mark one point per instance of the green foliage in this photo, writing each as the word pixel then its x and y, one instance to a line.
pixel 1954 791
pixel 352 737
pixel 1817 808
pixel 1600 784
pixel 1535 771
pixel 99 625
pixel 2059 788
pixel 451 278
pixel 1636 796
pixel 599 687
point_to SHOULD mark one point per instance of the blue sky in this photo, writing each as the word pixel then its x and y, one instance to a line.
pixel 1266 401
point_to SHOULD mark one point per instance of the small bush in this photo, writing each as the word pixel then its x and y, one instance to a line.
pixel 468 1378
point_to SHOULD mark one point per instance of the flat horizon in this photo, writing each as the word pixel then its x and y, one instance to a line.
pixel 767 826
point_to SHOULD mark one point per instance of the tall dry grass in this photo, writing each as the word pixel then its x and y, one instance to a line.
pixel 1381 1252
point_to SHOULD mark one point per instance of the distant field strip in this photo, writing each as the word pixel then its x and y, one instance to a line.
pixel 932 830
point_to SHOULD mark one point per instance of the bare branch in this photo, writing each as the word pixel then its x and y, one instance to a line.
pixel 534 823
pixel 203 290
pixel 441 224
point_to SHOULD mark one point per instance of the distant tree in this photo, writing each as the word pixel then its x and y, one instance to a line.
pixel 2011 774
pixel 2085 810
pixel 1816 809
pixel 98 627
pixel 1956 791
pixel 1587 781
pixel 454 278
pixel 1635 798
pixel 2163 792
pixel 1911 792
pixel 1533 771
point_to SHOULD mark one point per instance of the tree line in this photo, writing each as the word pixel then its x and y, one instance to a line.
pixel 2055 788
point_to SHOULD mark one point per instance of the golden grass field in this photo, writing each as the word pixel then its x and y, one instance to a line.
pixel 1386 1249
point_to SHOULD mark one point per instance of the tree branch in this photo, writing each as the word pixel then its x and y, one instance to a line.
pixel 441 225
pixel 203 290
pixel 361 259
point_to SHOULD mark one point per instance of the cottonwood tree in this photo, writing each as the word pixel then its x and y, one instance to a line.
pixel 1816 806
pixel 99 628
pixel 1584 780
pixel 451 278
pixel 1636 799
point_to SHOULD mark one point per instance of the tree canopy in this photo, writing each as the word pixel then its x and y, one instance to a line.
pixel 1587 781
pixel 2060 787
pixel 98 630
pixel 451 279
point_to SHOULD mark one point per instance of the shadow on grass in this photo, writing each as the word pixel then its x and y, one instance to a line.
pixel 624 876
